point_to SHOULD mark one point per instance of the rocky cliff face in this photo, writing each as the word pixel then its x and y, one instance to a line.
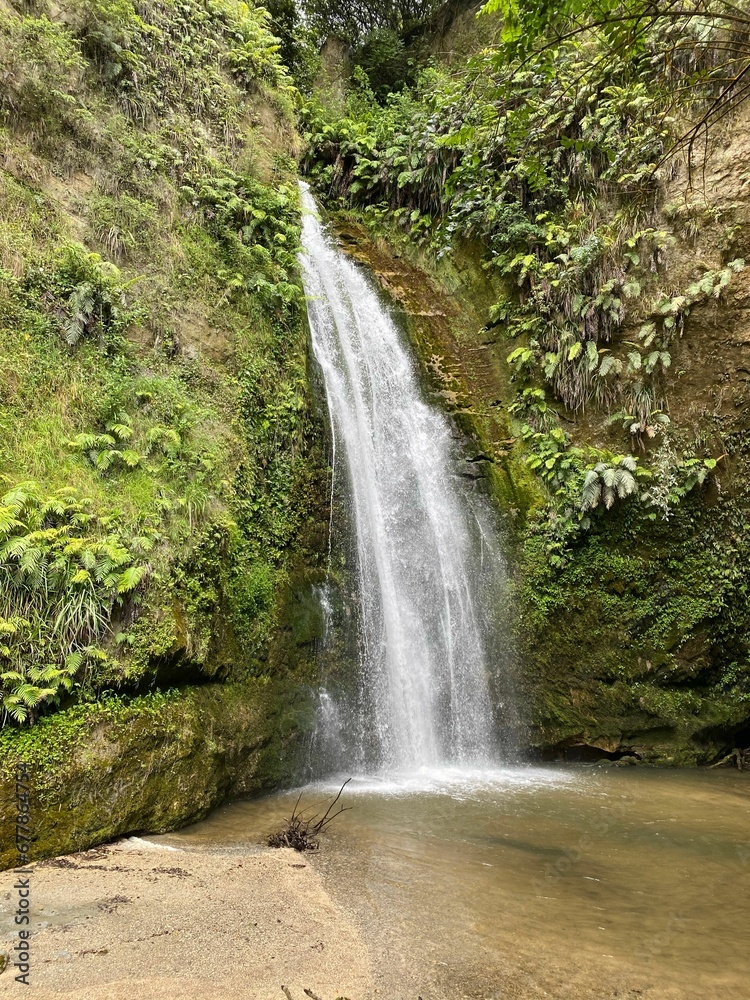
pixel 153 764
pixel 636 647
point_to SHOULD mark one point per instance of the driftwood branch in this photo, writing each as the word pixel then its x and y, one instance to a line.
pixel 300 832
pixel 740 758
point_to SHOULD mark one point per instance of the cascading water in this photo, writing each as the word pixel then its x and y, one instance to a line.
pixel 421 548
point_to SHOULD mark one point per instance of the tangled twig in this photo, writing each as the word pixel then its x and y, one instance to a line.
pixel 301 833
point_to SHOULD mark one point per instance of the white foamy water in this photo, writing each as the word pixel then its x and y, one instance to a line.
pixel 455 781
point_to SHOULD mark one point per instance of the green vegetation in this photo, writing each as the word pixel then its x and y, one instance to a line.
pixel 704 43
pixel 158 454
pixel 62 572
pixel 357 20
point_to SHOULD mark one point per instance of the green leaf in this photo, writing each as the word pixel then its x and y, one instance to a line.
pixel 592 354
pixel 130 579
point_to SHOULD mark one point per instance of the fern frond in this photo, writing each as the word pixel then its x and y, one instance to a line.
pixel 104 459
pixel 82 442
pixel 30 560
pixel 591 491
pixel 8 520
pixel 123 432
pixel 130 579
pixel 14 547
pixel 73 662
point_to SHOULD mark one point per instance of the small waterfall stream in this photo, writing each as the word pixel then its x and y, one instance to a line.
pixel 422 558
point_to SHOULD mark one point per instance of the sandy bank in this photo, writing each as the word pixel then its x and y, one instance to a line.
pixel 126 922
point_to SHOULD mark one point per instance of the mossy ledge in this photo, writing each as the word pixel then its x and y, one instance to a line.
pixel 151 764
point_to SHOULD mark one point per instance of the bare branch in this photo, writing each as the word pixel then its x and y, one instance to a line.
pixel 300 833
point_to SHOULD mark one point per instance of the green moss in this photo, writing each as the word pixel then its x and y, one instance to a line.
pixel 152 763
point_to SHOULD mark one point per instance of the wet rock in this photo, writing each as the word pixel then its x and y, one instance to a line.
pixel 87 789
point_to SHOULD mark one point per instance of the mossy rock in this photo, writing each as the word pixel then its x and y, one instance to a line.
pixel 152 764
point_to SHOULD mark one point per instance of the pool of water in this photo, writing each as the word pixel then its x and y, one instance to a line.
pixel 559 881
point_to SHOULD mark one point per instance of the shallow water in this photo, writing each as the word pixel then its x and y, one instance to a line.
pixel 552 881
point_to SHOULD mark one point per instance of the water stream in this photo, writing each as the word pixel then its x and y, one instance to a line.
pixel 421 544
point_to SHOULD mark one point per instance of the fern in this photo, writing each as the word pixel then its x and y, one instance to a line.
pixel 130 579
pixel 608 482
pixel 62 571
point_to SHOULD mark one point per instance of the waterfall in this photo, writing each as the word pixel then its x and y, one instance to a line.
pixel 421 544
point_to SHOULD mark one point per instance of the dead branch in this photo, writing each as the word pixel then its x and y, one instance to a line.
pixel 740 758
pixel 300 832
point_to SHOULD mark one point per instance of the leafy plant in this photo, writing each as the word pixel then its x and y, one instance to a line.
pixel 42 69
pixel 674 477
pixel 62 570
pixel 104 451
pixel 260 230
pixel 86 297
pixel 682 38
pixel 609 482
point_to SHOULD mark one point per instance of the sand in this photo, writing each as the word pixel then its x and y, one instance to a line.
pixel 140 921
pixel 133 922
